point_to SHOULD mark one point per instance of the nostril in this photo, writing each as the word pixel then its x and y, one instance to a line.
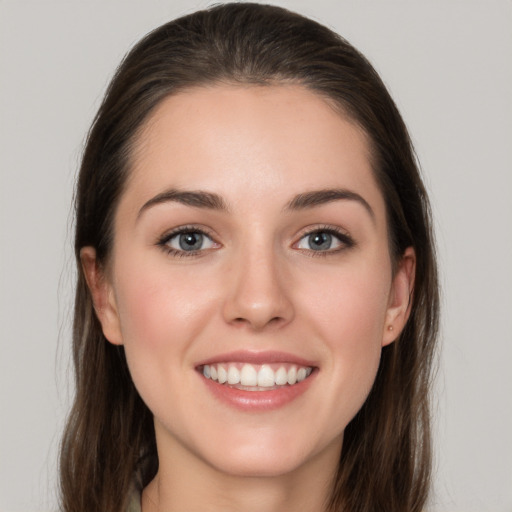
pixel 258 323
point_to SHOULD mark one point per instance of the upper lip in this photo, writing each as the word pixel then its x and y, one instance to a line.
pixel 256 357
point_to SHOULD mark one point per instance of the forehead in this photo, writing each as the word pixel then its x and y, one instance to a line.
pixel 259 140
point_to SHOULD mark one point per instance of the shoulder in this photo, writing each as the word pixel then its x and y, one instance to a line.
pixel 134 501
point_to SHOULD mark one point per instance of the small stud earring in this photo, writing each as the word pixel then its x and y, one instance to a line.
pixel 390 327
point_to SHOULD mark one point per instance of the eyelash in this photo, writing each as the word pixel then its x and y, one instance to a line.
pixel 171 251
pixel 346 241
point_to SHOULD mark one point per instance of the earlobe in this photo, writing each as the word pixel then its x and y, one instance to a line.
pixel 102 295
pixel 400 297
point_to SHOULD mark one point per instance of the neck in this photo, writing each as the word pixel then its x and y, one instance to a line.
pixel 197 486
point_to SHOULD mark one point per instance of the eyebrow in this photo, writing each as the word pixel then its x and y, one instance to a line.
pixel 195 198
pixel 320 197
pixel 212 201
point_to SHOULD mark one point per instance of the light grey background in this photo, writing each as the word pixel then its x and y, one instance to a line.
pixel 447 63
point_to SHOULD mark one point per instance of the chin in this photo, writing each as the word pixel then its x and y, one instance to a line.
pixel 259 465
pixel 265 456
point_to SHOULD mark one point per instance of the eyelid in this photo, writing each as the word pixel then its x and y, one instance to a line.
pixel 186 228
pixel 164 239
pixel 345 239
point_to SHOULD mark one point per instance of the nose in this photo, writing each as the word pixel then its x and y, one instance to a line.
pixel 259 293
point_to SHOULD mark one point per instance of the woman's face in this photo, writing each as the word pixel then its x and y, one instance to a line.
pixel 250 280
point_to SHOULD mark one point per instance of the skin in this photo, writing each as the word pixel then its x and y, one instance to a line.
pixel 256 286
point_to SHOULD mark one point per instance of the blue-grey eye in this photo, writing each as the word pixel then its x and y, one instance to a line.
pixel 190 241
pixel 319 241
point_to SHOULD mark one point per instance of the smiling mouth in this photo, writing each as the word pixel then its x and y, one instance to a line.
pixel 251 377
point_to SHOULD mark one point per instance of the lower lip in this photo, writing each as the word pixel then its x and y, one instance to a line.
pixel 257 401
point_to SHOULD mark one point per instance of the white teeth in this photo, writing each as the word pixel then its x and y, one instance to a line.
pixel 233 375
pixel 248 375
pixel 301 374
pixel 222 374
pixel 281 376
pixel 292 375
pixel 264 376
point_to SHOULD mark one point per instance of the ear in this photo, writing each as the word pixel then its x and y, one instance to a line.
pixel 102 296
pixel 400 297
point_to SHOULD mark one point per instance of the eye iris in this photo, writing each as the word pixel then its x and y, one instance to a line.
pixel 320 241
pixel 191 241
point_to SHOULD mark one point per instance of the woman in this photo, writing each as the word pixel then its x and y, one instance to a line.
pixel 257 302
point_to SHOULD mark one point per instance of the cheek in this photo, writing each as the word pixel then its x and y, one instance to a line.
pixel 349 315
pixel 156 306
pixel 160 313
pixel 350 304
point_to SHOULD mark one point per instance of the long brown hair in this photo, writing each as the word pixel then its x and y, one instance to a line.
pixel 109 440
